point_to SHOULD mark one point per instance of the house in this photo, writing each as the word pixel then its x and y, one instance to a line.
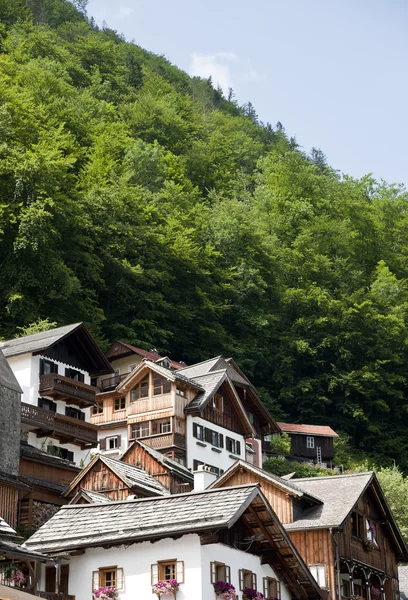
pixel 114 479
pixel 311 443
pixel 192 420
pixel 54 370
pixel 342 527
pixel 199 538
pixel 403 581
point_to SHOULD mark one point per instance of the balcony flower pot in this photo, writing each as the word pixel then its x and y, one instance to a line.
pixel 225 591
pixel 368 545
pixel 251 594
pixel 356 597
pixel 169 587
pixel 105 593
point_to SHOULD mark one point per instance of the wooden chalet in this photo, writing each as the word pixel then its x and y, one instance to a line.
pixel 309 443
pixel 341 525
pixel 199 529
pixel 114 479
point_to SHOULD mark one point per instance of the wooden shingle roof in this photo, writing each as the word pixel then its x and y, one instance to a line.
pixel 323 430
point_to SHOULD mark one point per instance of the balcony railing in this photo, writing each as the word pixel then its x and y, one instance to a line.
pixel 110 383
pixel 63 388
pixel 164 441
pixel 55 596
pixel 59 426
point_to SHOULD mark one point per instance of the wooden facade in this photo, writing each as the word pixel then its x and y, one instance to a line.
pixel 9 495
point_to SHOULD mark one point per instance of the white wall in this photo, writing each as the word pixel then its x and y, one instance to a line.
pixel 111 432
pixel 123 365
pixel 135 560
pixel 223 459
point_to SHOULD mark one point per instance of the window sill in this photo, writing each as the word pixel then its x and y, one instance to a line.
pixel 234 456
pixel 216 450
pixel 201 444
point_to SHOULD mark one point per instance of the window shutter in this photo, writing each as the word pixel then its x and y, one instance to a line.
pixel 195 430
pixel 221 440
pixel 102 444
pixel 207 435
pixel 95 580
pixel 238 447
pixel 213 572
pixel 241 579
pixel 119 579
pixel 265 587
pixel 227 574
pixel 277 585
pixel 154 571
pixel 180 571
pixel 119 438
pixel 254 581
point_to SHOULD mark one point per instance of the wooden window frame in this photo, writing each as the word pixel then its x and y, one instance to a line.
pixel 317 579
pixel 53 365
pixel 233 445
pixel 136 392
pixel 214 566
pixel 368 534
pixel 100 574
pixel 199 432
pixel 164 383
pixel 267 581
pixel 120 401
pixel 360 525
pixel 156 570
pixel 218 403
pixel 243 573
pixel 141 424
pixel 180 392
pixel 98 408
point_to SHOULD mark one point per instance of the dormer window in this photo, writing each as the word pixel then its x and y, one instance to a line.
pixel 164 362
pixel 218 403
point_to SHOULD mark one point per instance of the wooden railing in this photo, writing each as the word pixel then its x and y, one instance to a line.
pixel 146 405
pixel 55 596
pixel 164 441
pixel 62 426
pixel 110 383
pixel 60 387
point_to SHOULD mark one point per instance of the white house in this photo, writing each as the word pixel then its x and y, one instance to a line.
pixel 54 369
pixel 199 538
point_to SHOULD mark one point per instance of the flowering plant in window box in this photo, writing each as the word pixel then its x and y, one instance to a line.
pixel 165 588
pixel 356 597
pixel 251 594
pixel 369 545
pixel 14 575
pixel 105 593
pixel 224 590
pixel 375 591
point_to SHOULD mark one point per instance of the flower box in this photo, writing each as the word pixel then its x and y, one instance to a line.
pixel 251 594
pixel 167 587
pixel 225 591
pixel 369 545
pixel 105 593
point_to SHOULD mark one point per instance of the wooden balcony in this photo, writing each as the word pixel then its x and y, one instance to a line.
pixel 55 596
pixel 167 440
pixel 66 429
pixel 110 383
pixel 147 405
pixel 59 387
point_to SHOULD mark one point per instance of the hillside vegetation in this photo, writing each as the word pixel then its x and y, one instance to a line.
pixel 141 201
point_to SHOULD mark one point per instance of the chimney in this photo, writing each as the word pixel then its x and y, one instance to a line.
pixel 203 477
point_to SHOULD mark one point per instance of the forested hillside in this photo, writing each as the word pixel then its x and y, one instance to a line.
pixel 143 202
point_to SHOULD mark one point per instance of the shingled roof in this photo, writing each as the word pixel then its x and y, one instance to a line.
pixel 322 430
pixel 36 454
pixel 169 374
pixel 130 475
pixel 90 496
pixel 5 529
pixel 7 377
pixel 167 462
pixel 152 355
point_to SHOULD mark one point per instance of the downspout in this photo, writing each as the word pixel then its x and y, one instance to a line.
pixel 337 562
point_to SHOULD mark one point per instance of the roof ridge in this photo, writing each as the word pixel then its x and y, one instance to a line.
pixel 208 374
pixel 40 333
pixel 201 362
pixel 340 476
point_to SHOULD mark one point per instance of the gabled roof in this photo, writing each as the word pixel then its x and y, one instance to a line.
pixel 170 464
pixel 167 373
pixel 7 377
pixel 322 430
pixel 85 526
pixel 130 475
pixel 149 354
pixel 200 368
pixel 288 487
pixel 90 496
pixel 39 342
pixel 5 529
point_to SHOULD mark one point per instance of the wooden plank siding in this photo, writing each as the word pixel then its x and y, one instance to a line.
pixel 316 548
pixel 45 472
pixel 8 504
pixel 228 418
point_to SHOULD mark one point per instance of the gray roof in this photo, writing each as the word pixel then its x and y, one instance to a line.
pixel 7 377
pixel 11 550
pixel 134 476
pixel 36 341
pixel 339 494
pixel 403 582
pixel 88 525
pixel 167 462
pixel 200 368
pixel 5 529
pixel 167 373
pixel 48 485
pixel 210 382
pixel 33 453
pixel 91 496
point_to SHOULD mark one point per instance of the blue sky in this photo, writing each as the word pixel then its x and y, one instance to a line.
pixel 334 72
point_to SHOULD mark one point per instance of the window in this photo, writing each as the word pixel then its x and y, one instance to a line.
pixel 371 532
pixel 160 385
pixel 218 402
pixel 130 368
pixel 141 390
pixel 345 588
pixel 74 413
pixel 319 573
pixel 74 374
pixel 214 438
pixel 357 525
pixel 120 403
pixel 47 367
pixel 180 391
pixel 310 442
pixel 198 431
pixel 220 572
pixel 233 446
pixel 98 408
pixel 165 426
pixel 198 463
pixel 247 579
pixel 271 588
pixel 47 404
pixel 167 569
pixel 139 430
pixel 110 443
pixel 109 577
pixel 60 452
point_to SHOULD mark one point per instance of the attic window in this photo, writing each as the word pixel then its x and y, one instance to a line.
pixel 141 390
pixel 160 385
pixel 357 525
pixel 218 403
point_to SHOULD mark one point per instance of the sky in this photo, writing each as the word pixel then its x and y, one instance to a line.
pixel 333 72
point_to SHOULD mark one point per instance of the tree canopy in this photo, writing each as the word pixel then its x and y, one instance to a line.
pixel 146 204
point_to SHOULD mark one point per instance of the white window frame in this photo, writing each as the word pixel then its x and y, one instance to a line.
pixel 319 574
pixel 310 442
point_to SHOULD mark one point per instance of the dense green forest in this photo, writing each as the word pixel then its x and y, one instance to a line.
pixel 148 205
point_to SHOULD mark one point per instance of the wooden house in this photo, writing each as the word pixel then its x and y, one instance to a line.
pixel 341 525
pixel 54 370
pixel 192 420
pixel 114 479
pixel 311 443
pixel 230 535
